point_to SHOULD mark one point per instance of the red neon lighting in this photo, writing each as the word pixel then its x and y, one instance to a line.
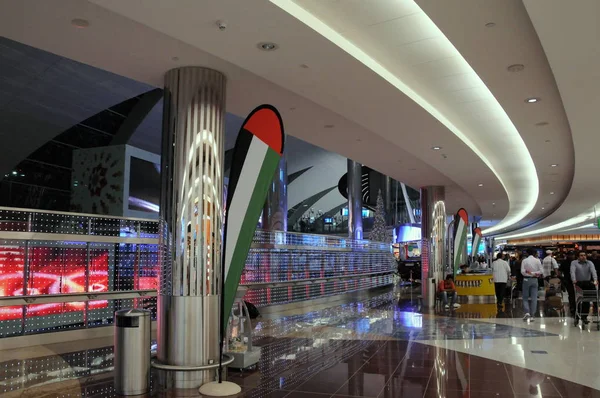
pixel 52 271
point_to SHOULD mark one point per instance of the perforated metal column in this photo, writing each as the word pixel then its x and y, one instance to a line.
pixel 433 241
pixel 191 221
pixel 355 227
pixel 274 216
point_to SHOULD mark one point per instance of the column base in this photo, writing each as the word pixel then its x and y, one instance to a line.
pixel 188 335
pixel 216 389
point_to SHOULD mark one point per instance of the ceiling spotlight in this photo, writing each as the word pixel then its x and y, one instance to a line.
pixel 292 109
pixel 358 140
pixel 551 193
pixel 547 141
pixel 543 208
pixel 175 59
pixel 516 68
pixel 532 100
pixel 490 25
pixel 542 124
pixel 80 23
pixel 329 126
pixel 268 46
pixel 436 148
pixel 553 165
pixel 493 203
pixel 480 185
pixel 304 66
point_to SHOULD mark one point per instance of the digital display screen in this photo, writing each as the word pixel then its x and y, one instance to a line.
pixel 51 272
pixel 144 186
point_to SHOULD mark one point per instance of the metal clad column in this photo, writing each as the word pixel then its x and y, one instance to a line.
pixel 191 221
pixel 274 215
pixel 355 228
pixel 433 241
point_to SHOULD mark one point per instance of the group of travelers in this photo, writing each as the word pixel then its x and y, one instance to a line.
pixel 530 274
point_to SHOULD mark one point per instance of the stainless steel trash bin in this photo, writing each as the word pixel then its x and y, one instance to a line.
pixel 132 351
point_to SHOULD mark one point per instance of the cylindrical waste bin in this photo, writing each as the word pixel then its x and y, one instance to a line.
pixel 132 351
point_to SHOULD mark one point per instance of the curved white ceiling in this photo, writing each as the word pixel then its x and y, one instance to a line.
pixel 398 41
pixel 334 89
pixel 570 37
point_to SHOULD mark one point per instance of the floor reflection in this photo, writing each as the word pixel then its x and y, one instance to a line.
pixel 378 347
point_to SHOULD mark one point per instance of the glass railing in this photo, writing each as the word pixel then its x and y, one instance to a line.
pixel 64 271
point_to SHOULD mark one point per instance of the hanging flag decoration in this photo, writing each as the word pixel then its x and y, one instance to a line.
pixel 461 220
pixel 476 241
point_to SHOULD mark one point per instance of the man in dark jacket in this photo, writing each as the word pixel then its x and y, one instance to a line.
pixel 565 270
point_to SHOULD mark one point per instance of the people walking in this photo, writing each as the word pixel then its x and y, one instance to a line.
pixel 565 271
pixel 549 264
pixel 501 271
pixel 583 274
pixel 531 269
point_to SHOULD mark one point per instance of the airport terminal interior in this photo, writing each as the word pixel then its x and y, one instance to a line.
pixel 299 198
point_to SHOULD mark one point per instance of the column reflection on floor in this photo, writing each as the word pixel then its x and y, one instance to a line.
pixel 368 348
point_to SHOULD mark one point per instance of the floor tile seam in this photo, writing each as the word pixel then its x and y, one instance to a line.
pixel 512 387
pixel 523 366
pixel 363 365
pixel 316 373
pixel 395 370
pixel 428 382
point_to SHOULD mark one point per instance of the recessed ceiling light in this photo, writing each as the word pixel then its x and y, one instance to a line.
pixel 542 124
pixel 532 100
pixel 304 66
pixel 516 68
pixel 412 169
pixel 480 185
pixel 543 208
pixel 553 165
pixel 329 126
pixel 494 204
pixel 292 109
pixel 358 140
pixel 490 25
pixel 80 23
pixel 551 193
pixel 175 58
pixel 436 148
pixel 547 141
pixel 267 46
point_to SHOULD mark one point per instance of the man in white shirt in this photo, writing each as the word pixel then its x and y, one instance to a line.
pixel 549 264
pixel 501 271
pixel 531 269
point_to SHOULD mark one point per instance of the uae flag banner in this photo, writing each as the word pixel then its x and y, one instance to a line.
pixel 256 155
pixel 461 220
pixel 476 241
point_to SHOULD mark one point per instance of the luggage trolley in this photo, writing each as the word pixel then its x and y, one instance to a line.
pixel 586 296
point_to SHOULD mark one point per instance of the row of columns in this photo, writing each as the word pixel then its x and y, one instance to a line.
pixel 191 220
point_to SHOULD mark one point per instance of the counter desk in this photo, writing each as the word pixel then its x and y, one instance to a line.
pixel 475 287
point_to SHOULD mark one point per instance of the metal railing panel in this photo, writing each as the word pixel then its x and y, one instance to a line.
pixel 62 271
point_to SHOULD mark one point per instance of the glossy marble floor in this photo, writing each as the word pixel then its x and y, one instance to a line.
pixel 380 346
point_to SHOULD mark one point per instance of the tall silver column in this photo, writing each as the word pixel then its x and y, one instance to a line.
pixel 433 241
pixel 191 222
pixel 355 228
pixel 387 199
pixel 274 215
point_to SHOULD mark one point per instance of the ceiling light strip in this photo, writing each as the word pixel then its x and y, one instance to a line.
pixel 583 218
pixel 529 170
